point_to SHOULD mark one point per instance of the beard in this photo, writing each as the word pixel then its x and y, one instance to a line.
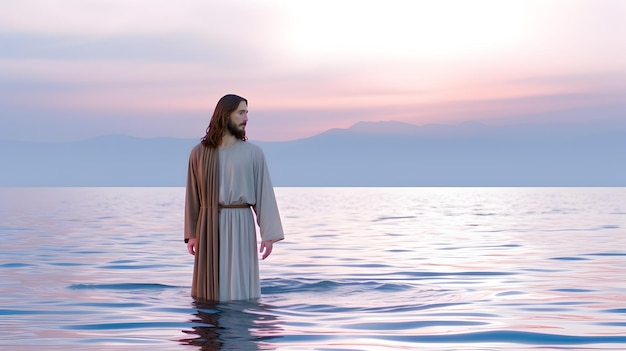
pixel 236 131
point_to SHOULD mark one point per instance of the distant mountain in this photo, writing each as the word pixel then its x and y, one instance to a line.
pixel 390 128
pixel 366 154
pixel 114 160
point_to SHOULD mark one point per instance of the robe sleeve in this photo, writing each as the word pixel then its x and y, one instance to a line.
pixel 266 208
pixel 192 196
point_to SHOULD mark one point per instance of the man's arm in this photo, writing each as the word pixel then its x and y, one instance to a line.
pixel 266 209
pixel 192 197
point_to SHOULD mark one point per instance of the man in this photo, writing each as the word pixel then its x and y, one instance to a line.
pixel 226 177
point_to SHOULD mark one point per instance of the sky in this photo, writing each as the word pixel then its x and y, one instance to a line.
pixel 74 69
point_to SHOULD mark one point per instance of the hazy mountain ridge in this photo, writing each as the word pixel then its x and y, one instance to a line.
pixel 113 160
pixel 367 154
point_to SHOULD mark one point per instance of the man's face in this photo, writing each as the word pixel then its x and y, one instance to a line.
pixel 238 121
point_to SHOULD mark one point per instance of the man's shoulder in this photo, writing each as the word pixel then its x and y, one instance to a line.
pixel 251 147
pixel 198 148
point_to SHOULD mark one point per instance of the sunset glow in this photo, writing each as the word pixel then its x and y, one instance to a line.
pixel 305 66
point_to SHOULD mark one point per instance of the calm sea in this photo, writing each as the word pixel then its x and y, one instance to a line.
pixel 360 269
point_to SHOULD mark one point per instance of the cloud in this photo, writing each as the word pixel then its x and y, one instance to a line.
pixel 214 33
pixel 102 18
pixel 112 65
pixel 132 48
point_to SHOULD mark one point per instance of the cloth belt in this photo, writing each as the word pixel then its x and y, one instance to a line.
pixel 234 206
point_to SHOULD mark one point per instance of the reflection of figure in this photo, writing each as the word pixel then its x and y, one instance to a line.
pixel 208 336
pixel 228 176
pixel 233 326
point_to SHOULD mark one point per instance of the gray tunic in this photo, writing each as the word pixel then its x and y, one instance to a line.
pixel 244 179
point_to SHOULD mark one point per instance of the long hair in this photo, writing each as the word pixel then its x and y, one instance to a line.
pixel 221 116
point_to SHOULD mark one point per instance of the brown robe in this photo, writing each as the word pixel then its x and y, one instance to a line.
pixel 202 216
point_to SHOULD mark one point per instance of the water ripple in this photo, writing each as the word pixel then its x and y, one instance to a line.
pixel 279 285
pixel 122 286
pixel 135 325
pixel 384 325
pixel 450 269
pixel 16 265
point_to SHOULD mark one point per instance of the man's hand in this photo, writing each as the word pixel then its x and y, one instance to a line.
pixel 191 246
pixel 266 248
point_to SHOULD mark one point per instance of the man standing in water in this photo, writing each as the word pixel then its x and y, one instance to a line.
pixel 226 177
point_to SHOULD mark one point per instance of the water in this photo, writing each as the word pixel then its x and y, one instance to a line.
pixel 361 269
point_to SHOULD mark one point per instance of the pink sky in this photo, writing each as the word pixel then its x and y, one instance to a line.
pixel 71 69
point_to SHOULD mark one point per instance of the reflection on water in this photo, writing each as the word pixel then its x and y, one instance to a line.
pixel 232 326
pixel 360 269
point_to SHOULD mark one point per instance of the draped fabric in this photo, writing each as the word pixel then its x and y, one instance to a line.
pixel 239 269
pixel 202 220
pixel 226 263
